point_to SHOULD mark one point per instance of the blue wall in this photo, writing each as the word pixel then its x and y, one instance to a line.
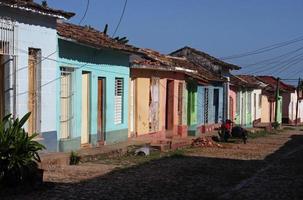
pixel 99 63
pixel 211 106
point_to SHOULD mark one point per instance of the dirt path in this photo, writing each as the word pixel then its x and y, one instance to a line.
pixel 265 168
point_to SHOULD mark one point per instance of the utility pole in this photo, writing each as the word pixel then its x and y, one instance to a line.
pixel 277 99
pixel 298 96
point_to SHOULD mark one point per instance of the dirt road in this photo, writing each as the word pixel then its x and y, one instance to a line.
pixel 265 168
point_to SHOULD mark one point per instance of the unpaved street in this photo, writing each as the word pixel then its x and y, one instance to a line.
pixel 266 168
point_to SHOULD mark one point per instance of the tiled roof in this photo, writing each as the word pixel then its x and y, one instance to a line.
pixel 156 60
pixel 91 37
pixel 202 58
pixel 240 82
pixel 272 81
pixel 252 80
pixel 31 6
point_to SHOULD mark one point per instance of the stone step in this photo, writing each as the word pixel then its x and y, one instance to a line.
pixel 51 160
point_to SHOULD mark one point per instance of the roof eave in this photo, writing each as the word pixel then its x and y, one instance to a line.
pixel 66 16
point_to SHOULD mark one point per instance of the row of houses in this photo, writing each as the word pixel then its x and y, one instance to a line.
pixel 85 89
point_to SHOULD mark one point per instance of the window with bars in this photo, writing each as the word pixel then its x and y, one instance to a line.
pixel 206 102
pixel 66 99
pixel 118 117
pixel 7 37
pixel 180 103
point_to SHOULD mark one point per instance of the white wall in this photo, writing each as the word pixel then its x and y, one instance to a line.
pixel 292 106
pixel 256 92
pixel 36 31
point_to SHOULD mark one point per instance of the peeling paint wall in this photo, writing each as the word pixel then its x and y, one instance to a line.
pixel 265 107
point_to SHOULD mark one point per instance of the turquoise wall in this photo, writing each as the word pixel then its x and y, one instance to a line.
pixel 99 63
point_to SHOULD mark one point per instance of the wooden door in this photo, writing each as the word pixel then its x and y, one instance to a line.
pixel 2 93
pixel 255 106
pixel 216 104
pixel 169 105
pixel 101 109
pixel 231 108
pixel 132 109
pixel 180 103
pixel 154 105
pixel 34 90
pixel 85 108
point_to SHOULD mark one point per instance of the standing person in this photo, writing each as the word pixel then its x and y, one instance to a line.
pixel 227 129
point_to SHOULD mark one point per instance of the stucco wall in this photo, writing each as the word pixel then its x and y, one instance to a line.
pixel 232 94
pixel 97 63
pixel 36 31
pixel 265 110
pixel 255 107
pixel 142 105
pixel 289 106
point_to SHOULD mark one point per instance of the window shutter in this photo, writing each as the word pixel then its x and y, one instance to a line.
pixel 118 101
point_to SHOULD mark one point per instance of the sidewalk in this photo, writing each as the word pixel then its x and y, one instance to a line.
pixel 50 160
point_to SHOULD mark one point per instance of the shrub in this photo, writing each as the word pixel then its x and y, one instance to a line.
pixel 18 152
pixel 74 158
pixel 276 125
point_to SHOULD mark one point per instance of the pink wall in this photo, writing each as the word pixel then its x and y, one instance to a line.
pixel 232 95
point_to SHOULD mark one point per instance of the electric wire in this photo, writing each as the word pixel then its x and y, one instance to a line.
pixel 85 13
pixel 264 49
pixel 121 17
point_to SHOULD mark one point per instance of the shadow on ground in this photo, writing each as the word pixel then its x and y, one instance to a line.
pixel 278 176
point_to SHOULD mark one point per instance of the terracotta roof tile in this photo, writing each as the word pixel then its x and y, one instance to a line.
pixel 272 81
pixel 91 37
pixel 156 60
pixel 202 58
pixel 30 5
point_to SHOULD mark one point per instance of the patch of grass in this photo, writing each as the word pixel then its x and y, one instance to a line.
pixel 262 133
pixel 131 159
pixel 74 158
pixel 289 128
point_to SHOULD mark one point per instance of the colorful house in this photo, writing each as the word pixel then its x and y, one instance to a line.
pixel 289 106
pixel 161 97
pixel 212 95
pixel 270 103
pixel 28 48
pixel 241 100
pixel 255 109
pixel 92 95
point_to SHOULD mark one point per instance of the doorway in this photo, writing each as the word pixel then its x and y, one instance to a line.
pixel 34 90
pixel 169 105
pixel 180 103
pixel 255 106
pixel 101 109
pixel 216 105
pixel 2 87
pixel 231 108
pixel 85 108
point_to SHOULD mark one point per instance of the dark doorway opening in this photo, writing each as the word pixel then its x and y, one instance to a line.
pixel 169 105
pixel 101 110
pixel 216 104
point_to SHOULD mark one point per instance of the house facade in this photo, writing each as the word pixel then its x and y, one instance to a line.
pixel 158 96
pixel 215 67
pixel 269 105
pixel 92 99
pixel 28 48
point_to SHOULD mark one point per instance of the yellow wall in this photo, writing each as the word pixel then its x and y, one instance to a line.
pixel 142 103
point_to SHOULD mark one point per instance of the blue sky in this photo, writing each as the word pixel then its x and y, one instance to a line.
pixel 218 27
